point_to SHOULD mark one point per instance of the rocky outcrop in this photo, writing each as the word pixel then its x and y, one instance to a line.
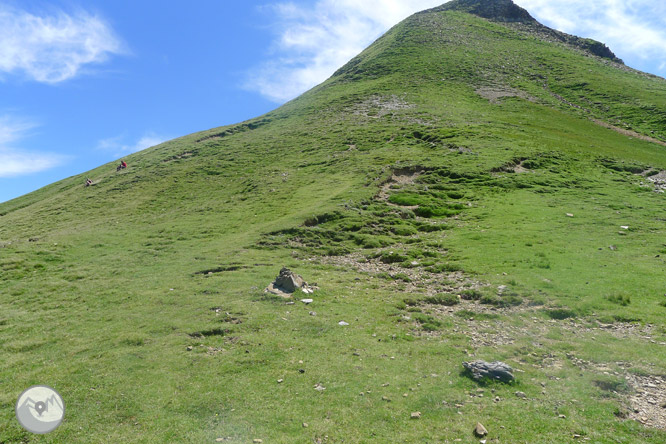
pixel 287 282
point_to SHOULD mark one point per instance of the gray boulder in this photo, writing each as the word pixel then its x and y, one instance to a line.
pixel 497 370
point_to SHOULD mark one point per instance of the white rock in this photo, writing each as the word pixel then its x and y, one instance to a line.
pixel 307 301
pixel 343 323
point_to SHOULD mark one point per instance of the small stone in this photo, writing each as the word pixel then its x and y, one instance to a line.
pixel 386 398
pixel 280 381
pixel 404 395
pixel 305 425
pixel 190 348
pixel 220 439
pixel 257 441
pixel 624 227
pixel 301 370
pixel 415 415
pixel 343 323
pixel 570 215
pixel 480 430
pixel 562 416
pixel 521 395
pixel 313 313
pixel 319 387
pixel 307 301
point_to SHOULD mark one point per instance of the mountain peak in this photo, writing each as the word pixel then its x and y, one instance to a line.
pixel 497 10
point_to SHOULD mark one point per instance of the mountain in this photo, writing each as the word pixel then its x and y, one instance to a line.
pixel 473 185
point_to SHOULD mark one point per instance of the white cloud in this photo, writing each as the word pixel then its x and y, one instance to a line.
pixel 18 162
pixel 53 48
pixel 120 146
pixel 314 42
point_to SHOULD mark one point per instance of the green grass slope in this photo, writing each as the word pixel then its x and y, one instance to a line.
pixel 466 188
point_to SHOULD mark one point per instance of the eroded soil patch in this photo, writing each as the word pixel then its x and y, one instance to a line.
pixel 379 106
pixel 647 393
pixel 494 94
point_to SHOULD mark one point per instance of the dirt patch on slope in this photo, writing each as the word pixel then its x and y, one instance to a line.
pixel 418 281
pixel 379 106
pixel 398 179
pixel 648 403
pixel 629 133
pixel 494 94
pixel 647 398
pixel 659 181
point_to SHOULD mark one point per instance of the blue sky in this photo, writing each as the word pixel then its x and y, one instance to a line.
pixel 85 82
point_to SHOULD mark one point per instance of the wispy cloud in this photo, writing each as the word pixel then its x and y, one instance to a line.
pixel 633 29
pixel 314 41
pixel 122 145
pixel 53 48
pixel 18 162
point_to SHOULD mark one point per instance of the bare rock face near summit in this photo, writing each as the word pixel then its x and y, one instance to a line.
pixel 287 282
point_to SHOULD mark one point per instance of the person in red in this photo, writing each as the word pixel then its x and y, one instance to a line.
pixel 122 165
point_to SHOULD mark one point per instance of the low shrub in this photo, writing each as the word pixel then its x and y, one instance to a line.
pixel 428 323
pixel 625 318
pixel 622 299
pixel 480 316
pixel 560 313
pixel 471 295
pixel 447 299
pixel 391 257
pixel 444 268
pixel 509 300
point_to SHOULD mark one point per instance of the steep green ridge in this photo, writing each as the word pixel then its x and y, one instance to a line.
pixel 464 159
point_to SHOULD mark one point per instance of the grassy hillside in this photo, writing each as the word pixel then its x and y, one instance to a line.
pixel 463 189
